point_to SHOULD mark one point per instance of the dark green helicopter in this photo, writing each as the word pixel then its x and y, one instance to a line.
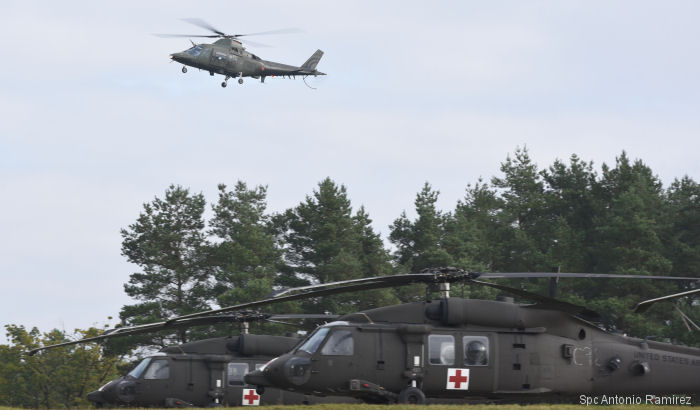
pixel 228 57
pixel 206 372
pixel 461 349
pixel 455 348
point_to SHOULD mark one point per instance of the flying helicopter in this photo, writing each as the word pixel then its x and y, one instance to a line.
pixel 482 349
pixel 204 372
pixel 227 56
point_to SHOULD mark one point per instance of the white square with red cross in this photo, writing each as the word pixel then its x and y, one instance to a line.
pixel 250 398
pixel 457 379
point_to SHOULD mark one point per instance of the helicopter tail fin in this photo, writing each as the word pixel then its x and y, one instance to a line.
pixel 311 63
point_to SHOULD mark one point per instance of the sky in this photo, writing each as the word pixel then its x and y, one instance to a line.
pixel 96 120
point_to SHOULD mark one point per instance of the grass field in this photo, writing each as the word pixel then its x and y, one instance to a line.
pixel 453 407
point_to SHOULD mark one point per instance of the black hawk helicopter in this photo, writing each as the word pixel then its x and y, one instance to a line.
pixel 205 372
pixel 462 349
pixel 459 348
pixel 228 57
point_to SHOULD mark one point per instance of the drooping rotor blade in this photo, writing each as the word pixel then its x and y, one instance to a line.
pixel 449 275
pixel 203 24
pixel 186 35
pixel 643 306
pixel 577 275
pixel 245 316
pixel 256 44
pixel 545 301
pixel 291 30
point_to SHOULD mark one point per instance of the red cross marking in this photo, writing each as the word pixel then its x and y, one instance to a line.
pixel 458 379
pixel 251 397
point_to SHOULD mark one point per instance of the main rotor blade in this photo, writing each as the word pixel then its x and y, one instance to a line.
pixel 645 305
pixel 578 275
pixel 203 24
pixel 256 44
pixel 291 30
pixel 246 316
pixel 186 35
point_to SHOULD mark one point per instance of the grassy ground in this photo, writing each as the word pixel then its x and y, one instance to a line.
pixel 453 407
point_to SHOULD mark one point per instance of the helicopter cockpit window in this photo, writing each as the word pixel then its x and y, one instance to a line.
pixel 235 373
pixel 314 341
pixel 340 343
pixel 476 350
pixel 195 51
pixel 441 349
pixel 136 372
pixel 159 369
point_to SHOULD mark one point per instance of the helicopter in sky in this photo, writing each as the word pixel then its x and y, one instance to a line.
pixel 206 372
pixel 227 56
pixel 460 348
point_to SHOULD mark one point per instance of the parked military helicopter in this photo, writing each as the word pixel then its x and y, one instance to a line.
pixel 205 372
pixel 460 348
pixel 228 57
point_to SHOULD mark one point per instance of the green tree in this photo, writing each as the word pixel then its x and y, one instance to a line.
pixel 326 242
pixel 420 243
pixel 472 234
pixel 245 260
pixel 168 243
pixel 60 377
pixel 525 234
pixel 571 205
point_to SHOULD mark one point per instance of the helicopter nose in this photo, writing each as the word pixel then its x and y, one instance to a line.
pixel 96 397
pixel 105 394
pixel 177 57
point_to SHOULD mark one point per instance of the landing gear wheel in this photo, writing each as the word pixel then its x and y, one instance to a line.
pixel 223 84
pixel 211 73
pixel 240 81
pixel 184 69
pixel 411 395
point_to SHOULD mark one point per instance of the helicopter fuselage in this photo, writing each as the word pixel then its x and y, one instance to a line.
pixel 203 373
pixel 228 58
pixel 459 349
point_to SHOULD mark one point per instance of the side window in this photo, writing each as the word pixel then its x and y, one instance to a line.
pixel 340 343
pixel 159 369
pixel 476 350
pixel 235 373
pixel 441 349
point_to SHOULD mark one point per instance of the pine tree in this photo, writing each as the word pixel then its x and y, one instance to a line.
pixel 325 242
pixel 246 258
pixel 420 243
pixel 169 244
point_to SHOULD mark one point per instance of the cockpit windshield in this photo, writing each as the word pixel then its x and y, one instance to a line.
pixel 136 373
pixel 195 51
pixel 314 341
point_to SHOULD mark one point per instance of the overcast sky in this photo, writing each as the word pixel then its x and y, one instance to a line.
pixel 96 120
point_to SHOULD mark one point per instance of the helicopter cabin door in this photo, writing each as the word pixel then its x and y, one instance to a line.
pixel 460 364
pixel 218 60
pixel 156 382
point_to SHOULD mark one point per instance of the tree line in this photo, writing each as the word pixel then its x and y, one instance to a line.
pixel 567 216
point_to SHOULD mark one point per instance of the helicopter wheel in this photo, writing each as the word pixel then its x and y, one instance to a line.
pixel 184 69
pixel 411 395
pixel 240 81
pixel 223 84
pixel 211 73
